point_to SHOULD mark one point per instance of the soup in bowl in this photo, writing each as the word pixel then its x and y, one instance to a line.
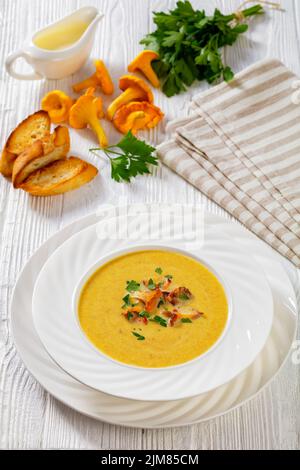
pixel 152 308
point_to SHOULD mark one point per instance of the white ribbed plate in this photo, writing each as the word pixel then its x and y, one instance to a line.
pixel 156 414
pixel 57 326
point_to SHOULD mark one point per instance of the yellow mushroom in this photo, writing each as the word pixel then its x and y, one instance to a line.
pixel 134 89
pixel 86 112
pixel 143 62
pixel 58 105
pixel 100 78
pixel 136 116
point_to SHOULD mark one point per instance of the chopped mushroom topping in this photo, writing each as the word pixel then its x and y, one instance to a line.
pixel 166 284
pixel 149 298
pixel 173 317
pixel 179 293
pixel 134 315
pixel 154 301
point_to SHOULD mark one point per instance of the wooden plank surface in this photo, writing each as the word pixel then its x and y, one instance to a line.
pixel 29 417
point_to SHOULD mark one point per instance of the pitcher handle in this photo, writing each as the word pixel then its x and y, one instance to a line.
pixel 9 65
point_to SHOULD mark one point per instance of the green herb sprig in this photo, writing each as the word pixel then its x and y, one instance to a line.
pixel 129 158
pixel 188 43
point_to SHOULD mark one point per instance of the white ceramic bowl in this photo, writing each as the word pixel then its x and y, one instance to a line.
pixel 115 254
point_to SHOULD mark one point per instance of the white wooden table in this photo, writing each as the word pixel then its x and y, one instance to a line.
pixel 29 417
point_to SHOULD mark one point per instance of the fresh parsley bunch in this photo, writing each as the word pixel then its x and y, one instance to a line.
pixel 188 43
pixel 129 158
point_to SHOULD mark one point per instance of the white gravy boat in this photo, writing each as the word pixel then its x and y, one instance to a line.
pixel 58 63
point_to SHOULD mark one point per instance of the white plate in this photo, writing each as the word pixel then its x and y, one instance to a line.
pixel 57 326
pixel 156 414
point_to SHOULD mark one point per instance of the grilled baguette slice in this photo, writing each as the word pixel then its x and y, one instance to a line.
pixel 40 154
pixel 7 162
pixel 34 127
pixel 59 177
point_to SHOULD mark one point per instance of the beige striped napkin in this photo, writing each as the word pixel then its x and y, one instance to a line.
pixel 241 147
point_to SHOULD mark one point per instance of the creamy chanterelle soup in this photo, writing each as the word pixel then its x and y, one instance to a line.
pixel 153 308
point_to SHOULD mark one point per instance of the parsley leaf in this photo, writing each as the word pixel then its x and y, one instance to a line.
pixel 158 270
pixel 186 320
pixel 126 301
pixel 138 336
pixel 188 43
pixel 161 321
pixel 134 159
pixel 130 144
pixel 132 286
pixel 183 297
pixel 151 284
pixel 143 314
pixel 228 74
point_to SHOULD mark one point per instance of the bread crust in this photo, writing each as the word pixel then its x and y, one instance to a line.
pixel 7 162
pixel 37 160
pixel 35 127
pixel 40 154
pixel 59 177
pixel 28 128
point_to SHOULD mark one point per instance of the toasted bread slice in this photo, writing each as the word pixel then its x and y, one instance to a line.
pixel 59 177
pixel 7 162
pixel 34 127
pixel 40 154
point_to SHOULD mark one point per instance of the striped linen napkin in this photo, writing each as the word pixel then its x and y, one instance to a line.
pixel 241 148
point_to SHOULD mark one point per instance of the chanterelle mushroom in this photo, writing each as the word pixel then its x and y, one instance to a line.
pixel 100 78
pixel 86 112
pixel 143 62
pixel 137 115
pixel 134 89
